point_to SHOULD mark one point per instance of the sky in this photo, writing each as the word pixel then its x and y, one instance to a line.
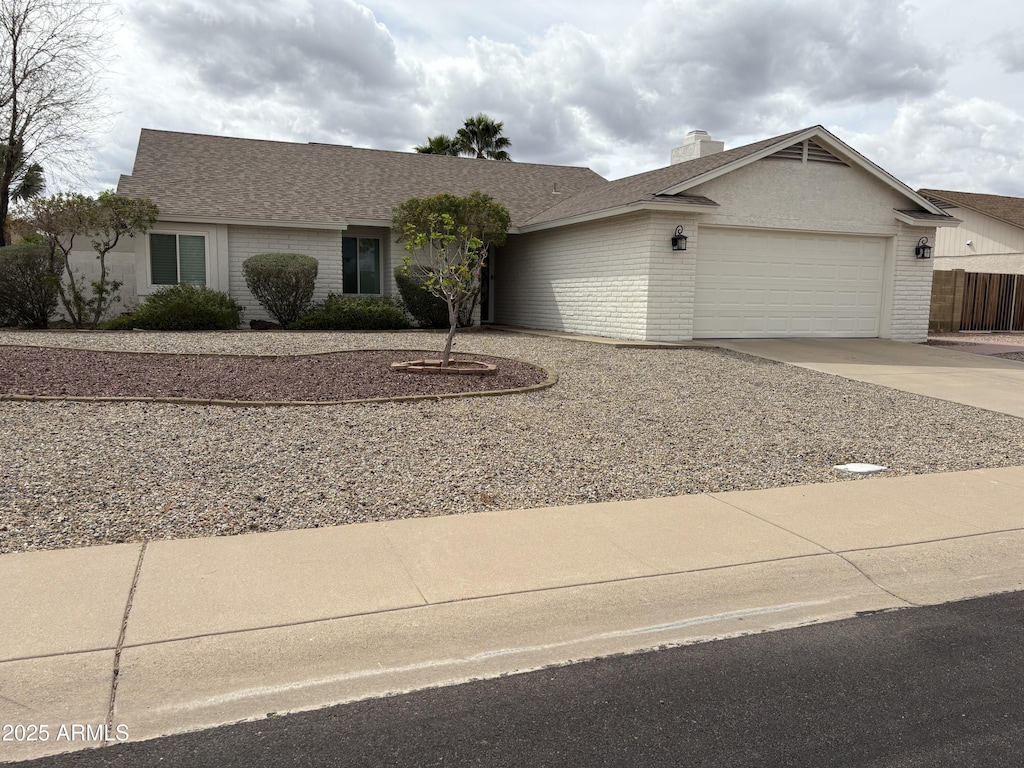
pixel 931 90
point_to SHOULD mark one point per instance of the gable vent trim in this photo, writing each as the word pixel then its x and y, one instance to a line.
pixel 808 151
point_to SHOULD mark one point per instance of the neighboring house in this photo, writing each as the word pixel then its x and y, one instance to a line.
pixel 991 237
pixel 797 235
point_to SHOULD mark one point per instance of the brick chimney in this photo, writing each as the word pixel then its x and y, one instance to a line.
pixel 696 144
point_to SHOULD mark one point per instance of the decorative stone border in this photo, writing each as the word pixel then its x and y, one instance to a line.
pixel 550 381
pixel 454 367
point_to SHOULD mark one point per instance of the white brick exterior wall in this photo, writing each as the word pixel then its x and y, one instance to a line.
pixel 589 279
pixel 911 288
pixel 672 276
pixel 615 277
pixel 619 276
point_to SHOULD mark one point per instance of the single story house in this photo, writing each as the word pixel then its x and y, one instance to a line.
pixel 991 237
pixel 796 235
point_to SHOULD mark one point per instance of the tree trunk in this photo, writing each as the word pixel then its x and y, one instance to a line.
pixel 453 321
pixel 5 204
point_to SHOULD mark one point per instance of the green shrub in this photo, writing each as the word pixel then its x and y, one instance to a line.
pixel 28 287
pixel 182 308
pixel 353 313
pixel 282 283
pixel 428 310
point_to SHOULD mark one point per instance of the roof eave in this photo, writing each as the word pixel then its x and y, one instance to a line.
pixel 339 226
pixel 619 210
pixel 949 221
pixel 958 204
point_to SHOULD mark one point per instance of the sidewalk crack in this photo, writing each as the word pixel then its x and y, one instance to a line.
pixel 121 636
pixel 401 562
pixel 863 573
pixel 831 551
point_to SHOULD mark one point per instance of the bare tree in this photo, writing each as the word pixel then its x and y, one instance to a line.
pixel 49 51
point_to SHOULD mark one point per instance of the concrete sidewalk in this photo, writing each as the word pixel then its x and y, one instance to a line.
pixel 179 635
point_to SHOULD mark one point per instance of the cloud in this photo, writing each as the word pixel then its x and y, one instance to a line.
pixel 288 48
pixel 324 67
pixel 737 63
pixel 1008 48
pixel 734 67
pixel 944 142
pixel 614 91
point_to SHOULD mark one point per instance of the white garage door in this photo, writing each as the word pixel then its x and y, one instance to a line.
pixel 772 284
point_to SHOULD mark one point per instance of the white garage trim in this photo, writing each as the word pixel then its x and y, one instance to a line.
pixel 760 283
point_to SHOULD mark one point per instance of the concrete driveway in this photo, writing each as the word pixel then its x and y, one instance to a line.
pixel 984 382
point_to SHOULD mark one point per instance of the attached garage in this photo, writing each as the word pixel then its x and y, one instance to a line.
pixel 757 283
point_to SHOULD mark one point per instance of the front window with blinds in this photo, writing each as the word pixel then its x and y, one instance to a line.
pixel 360 265
pixel 177 259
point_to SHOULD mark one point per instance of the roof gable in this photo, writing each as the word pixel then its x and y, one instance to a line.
pixel 668 186
pixel 199 177
pixel 1009 210
pixel 823 143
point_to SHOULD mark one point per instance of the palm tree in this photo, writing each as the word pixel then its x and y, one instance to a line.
pixel 26 182
pixel 439 145
pixel 481 137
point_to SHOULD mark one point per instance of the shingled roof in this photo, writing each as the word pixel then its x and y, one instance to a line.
pixel 646 187
pixel 1007 209
pixel 193 176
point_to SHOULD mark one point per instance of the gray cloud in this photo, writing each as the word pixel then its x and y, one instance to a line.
pixel 732 63
pixel 733 67
pixel 613 98
pixel 1008 48
pixel 942 142
pixel 321 70
pixel 272 47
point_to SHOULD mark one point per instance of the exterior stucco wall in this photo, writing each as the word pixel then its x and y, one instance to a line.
pixel 787 194
pixel 589 278
pixel 322 245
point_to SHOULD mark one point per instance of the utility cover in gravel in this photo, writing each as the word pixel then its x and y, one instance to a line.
pixel 327 377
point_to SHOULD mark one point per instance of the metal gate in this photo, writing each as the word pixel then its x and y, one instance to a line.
pixel 993 302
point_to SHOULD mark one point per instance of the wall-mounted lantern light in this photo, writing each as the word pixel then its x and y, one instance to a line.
pixel 923 250
pixel 679 240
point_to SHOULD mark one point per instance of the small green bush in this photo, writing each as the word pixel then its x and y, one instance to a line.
pixel 28 288
pixel 182 308
pixel 428 310
pixel 353 313
pixel 282 283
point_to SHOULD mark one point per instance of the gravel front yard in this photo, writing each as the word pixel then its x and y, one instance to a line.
pixel 620 424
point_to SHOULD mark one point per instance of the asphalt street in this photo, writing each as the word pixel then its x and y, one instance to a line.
pixel 922 687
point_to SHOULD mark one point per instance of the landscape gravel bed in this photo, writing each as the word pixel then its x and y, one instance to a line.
pixel 330 377
pixel 619 424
